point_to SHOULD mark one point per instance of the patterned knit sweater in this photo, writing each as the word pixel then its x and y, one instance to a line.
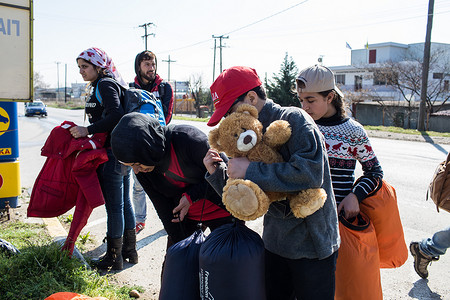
pixel 347 142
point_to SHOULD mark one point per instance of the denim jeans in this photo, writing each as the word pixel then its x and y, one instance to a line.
pixel 139 201
pixel 436 245
pixel 115 183
pixel 306 279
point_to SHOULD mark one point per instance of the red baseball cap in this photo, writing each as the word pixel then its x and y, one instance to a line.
pixel 228 86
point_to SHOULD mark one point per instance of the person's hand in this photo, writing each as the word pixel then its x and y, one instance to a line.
pixel 237 167
pixel 181 210
pixel 211 160
pixel 78 131
pixel 350 205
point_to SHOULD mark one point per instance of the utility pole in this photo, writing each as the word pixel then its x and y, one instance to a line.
pixel 65 84
pixel 169 61
pixel 425 68
pixel 146 34
pixel 220 47
pixel 214 61
pixel 57 75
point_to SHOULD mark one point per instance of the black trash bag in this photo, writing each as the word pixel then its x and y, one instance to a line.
pixel 232 264
pixel 180 276
pixel 8 248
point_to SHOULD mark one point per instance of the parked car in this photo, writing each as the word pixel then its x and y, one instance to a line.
pixel 35 108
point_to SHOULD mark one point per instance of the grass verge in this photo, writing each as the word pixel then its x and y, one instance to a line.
pixel 190 119
pixel 407 131
pixel 41 269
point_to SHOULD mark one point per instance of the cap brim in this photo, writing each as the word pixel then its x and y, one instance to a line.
pixel 218 114
pixel 339 91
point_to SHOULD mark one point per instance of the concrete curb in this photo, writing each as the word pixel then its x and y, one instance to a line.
pixel 59 235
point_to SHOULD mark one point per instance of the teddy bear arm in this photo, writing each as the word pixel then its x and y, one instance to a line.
pixel 277 134
pixel 307 202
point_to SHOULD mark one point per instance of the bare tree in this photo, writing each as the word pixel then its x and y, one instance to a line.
pixel 200 94
pixel 352 98
pixel 38 81
pixel 405 77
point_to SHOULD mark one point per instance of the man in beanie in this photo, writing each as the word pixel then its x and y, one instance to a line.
pixel 300 253
pixel 168 162
pixel 147 79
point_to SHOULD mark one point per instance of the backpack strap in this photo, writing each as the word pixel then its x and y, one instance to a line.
pixel 97 93
pixel 162 90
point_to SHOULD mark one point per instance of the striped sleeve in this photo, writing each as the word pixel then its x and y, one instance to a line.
pixel 365 186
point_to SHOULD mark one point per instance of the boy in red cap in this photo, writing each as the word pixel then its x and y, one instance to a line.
pixel 300 253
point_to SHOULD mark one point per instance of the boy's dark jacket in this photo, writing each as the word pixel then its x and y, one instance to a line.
pixel 177 152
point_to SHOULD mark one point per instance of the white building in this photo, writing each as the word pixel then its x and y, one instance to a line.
pixel 359 75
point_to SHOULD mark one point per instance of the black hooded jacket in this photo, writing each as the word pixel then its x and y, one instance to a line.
pixel 177 152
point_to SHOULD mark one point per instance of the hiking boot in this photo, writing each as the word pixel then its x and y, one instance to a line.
pixel 421 260
pixel 139 227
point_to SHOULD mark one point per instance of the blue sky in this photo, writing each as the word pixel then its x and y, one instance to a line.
pixel 260 32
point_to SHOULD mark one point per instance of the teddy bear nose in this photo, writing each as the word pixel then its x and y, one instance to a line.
pixel 247 139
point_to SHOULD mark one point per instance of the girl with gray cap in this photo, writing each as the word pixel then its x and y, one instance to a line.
pixel 346 142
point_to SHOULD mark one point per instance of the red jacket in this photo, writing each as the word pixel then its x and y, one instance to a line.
pixel 68 177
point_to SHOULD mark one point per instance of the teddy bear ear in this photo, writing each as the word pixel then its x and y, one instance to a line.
pixel 213 138
pixel 248 109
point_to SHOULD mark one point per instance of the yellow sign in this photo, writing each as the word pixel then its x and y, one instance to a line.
pixel 4 121
pixel 9 179
pixel 5 151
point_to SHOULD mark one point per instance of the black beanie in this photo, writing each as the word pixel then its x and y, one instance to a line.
pixel 138 138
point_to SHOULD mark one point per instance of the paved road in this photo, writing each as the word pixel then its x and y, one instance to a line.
pixel 407 165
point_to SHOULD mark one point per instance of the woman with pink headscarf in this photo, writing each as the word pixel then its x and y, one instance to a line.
pixel 104 110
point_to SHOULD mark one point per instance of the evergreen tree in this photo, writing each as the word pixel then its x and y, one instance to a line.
pixel 281 89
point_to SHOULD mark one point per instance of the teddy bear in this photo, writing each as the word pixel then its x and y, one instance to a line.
pixel 241 134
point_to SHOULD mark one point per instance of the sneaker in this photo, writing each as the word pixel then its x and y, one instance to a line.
pixel 139 227
pixel 421 260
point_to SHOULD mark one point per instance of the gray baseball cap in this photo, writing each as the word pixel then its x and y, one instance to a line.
pixel 317 79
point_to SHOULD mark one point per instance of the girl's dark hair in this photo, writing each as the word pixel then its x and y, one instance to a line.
pixel 103 71
pixel 259 90
pixel 337 101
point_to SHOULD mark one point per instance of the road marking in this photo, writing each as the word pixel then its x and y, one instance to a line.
pixel 94 223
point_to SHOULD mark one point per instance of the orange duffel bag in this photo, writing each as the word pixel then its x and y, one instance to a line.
pixel 72 296
pixel 381 208
pixel 358 264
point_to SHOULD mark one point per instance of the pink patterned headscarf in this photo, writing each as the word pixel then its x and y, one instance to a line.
pixel 98 57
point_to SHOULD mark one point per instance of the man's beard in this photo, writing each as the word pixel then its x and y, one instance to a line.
pixel 147 77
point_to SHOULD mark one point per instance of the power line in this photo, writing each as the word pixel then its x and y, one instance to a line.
pixel 263 19
pixel 205 41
